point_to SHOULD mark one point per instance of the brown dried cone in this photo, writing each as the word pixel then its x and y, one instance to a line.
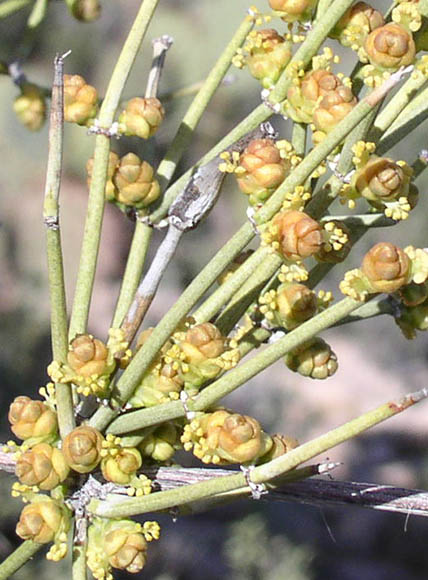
pixel 141 117
pixel 382 179
pixel 292 10
pixel 113 162
pixel 86 10
pixel 44 466
pixel 299 236
pixel 313 359
pixel 263 170
pixel 122 466
pixel 134 182
pixel 268 55
pixel 126 550
pixel 305 94
pixel 32 419
pixel 281 444
pixel 161 444
pixel 82 448
pixel 387 267
pixel 30 107
pixel 80 100
pixel 356 24
pixel 89 356
pixel 41 521
pixel 390 47
pixel 333 107
pixel 224 437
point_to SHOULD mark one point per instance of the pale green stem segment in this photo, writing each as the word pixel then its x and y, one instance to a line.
pixel 369 220
pixel 237 376
pixel 116 508
pixel 18 558
pixel 11 6
pixel 92 232
pixel 79 568
pixel 38 13
pixel 134 267
pixel 248 293
pixel 229 288
pixel 411 117
pixel 129 380
pixel 194 113
pixel 306 51
pixel 298 138
pixel 398 102
pixel 63 392
pixel 166 169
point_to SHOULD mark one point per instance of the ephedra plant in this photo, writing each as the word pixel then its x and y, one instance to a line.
pixel 97 448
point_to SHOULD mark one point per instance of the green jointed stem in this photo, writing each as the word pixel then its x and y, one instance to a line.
pixel 18 558
pixel 228 289
pixel 166 169
pixel 263 473
pixel 237 376
pixel 134 267
pixel 307 50
pixel 194 113
pixel 398 102
pixel 38 13
pixel 92 233
pixel 248 293
pixel 298 138
pixel 409 119
pixel 63 392
pixel 79 568
pixel 11 6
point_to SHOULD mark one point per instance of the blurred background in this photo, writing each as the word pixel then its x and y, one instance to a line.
pixel 248 540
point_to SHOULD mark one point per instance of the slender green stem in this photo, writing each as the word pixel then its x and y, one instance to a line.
pixel 248 293
pixel 79 568
pixel 298 138
pixel 307 50
pixel 411 117
pixel 194 113
pixel 92 232
pixel 237 376
pixel 398 102
pixel 190 90
pixel 261 474
pixel 18 558
pixel 368 310
pixel 10 6
pixel 369 220
pixel 228 289
pixel 54 251
pixel 134 268
pixel 38 13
